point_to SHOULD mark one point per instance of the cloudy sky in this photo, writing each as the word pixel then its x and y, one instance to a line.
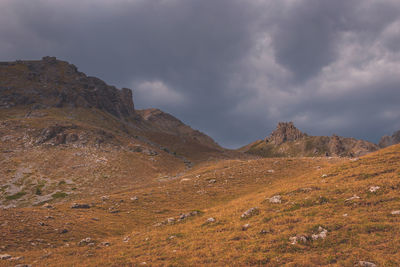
pixel 231 68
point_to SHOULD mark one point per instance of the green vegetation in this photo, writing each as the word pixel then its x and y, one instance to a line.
pixel 16 196
pixel 59 195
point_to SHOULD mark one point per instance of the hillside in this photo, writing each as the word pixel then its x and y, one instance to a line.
pixel 312 212
pixel 288 141
pixel 64 135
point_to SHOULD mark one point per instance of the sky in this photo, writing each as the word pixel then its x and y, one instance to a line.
pixel 230 68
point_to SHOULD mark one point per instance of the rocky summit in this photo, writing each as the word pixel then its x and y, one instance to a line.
pixel 287 140
pixel 285 132
pixel 54 83
pixel 390 140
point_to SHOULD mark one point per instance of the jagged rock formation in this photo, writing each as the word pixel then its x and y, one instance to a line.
pixel 285 131
pixel 53 83
pixel 390 140
pixel 287 140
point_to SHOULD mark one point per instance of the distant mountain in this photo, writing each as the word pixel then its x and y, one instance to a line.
pixel 288 141
pixel 390 140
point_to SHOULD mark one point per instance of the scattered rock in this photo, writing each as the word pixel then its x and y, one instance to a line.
pixel 245 227
pixel 212 181
pixel 170 220
pixel 85 241
pixel 263 232
pixel 105 198
pixel 366 264
pixel 47 206
pixel 171 237
pixel 321 235
pixel 275 199
pixel 185 180
pixel 250 212
pixel 64 231
pixel 16 258
pixel 187 215
pixel 270 171
pixel 211 220
pixel 353 198
pixel 113 210
pixel 395 212
pixel 95 219
pixel 373 189
pixel 5 256
pixel 143 263
pixel 297 239
pixel 135 198
pixel 49 217
pixel 126 239
pixel 324 175
pixel 23 265
pixel 306 189
pixel 105 244
pixel 80 206
pixel 41 223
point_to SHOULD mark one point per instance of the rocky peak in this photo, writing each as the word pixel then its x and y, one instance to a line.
pixel 54 83
pixel 285 131
pixel 390 140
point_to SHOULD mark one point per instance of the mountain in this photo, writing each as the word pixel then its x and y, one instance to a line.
pixel 286 140
pixel 390 140
pixel 87 180
pixel 53 83
pixel 65 135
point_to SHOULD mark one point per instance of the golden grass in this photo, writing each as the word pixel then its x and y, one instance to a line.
pixel 313 191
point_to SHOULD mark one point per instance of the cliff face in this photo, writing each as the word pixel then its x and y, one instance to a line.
pixel 390 140
pixel 287 140
pixel 53 83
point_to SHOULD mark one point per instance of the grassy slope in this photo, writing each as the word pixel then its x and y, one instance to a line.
pixel 368 232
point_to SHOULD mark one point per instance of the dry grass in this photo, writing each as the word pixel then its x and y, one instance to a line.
pixel 313 191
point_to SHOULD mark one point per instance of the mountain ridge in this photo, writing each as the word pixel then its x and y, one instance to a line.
pixel 287 140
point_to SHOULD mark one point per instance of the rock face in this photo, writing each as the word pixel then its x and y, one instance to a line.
pixel 287 140
pixel 390 140
pixel 285 131
pixel 53 83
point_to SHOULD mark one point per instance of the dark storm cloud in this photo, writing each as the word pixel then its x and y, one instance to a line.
pixel 231 68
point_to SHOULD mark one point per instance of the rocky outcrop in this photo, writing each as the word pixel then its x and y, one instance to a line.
pixel 285 131
pixel 390 140
pixel 53 83
pixel 287 140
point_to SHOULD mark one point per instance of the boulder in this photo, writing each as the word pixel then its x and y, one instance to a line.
pixel 250 212
pixel 80 206
pixel 275 199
